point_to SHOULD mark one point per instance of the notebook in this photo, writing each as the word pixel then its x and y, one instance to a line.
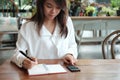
pixel 41 69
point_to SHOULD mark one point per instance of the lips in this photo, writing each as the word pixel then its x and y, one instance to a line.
pixel 52 15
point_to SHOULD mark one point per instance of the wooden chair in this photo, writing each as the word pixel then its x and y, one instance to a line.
pixel 115 53
pixel 108 44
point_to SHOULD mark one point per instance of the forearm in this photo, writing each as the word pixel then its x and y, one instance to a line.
pixel 17 58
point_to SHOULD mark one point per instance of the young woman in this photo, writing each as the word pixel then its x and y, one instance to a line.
pixel 49 34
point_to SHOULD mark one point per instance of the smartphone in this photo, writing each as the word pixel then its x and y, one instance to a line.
pixel 73 68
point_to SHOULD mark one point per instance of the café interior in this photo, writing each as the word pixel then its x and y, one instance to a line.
pixel 97 34
pixel 93 21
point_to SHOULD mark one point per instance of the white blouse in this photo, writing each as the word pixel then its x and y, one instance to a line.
pixel 45 45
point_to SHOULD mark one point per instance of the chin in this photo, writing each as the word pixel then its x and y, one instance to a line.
pixel 51 18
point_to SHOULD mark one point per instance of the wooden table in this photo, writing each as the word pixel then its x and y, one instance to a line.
pixel 91 69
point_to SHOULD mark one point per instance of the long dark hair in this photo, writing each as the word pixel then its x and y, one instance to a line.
pixel 39 17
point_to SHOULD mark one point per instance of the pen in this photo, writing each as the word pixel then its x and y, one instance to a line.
pixel 25 55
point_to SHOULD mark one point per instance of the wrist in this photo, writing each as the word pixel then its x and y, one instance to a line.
pixel 23 65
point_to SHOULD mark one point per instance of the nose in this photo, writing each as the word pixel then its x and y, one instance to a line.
pixel 54 10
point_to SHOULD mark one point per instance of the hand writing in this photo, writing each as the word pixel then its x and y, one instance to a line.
pixel 27 63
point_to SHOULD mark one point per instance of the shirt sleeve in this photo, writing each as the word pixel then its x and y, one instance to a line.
pixel 72 46
pixel 21 44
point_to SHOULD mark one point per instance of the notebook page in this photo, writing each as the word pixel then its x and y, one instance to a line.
pixel 55 68
pixel 46 69
pixel 37 69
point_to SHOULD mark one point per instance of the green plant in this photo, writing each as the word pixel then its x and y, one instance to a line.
pixel 109 10
pixel 115 3
pixel 90 9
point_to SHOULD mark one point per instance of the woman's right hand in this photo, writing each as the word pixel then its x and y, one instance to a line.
pixel 27 64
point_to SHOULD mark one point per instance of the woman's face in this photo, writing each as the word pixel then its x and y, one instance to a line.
pixel 51 10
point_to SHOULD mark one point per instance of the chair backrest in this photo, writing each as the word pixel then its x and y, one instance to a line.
pixel 115 47
pixel 108 44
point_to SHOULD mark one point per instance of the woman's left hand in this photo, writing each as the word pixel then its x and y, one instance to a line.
pixel 69 59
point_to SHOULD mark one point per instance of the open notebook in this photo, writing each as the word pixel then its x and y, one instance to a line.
pixel 41 69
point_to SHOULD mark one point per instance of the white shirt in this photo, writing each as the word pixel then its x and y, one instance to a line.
pixel 45 45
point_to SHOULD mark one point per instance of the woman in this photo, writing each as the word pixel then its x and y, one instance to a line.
pixel 49 34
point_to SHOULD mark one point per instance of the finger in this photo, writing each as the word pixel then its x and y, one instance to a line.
pixel 75 62
pixel 35 61
pixel 27 64
pixel 71 60
pixel 66 61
